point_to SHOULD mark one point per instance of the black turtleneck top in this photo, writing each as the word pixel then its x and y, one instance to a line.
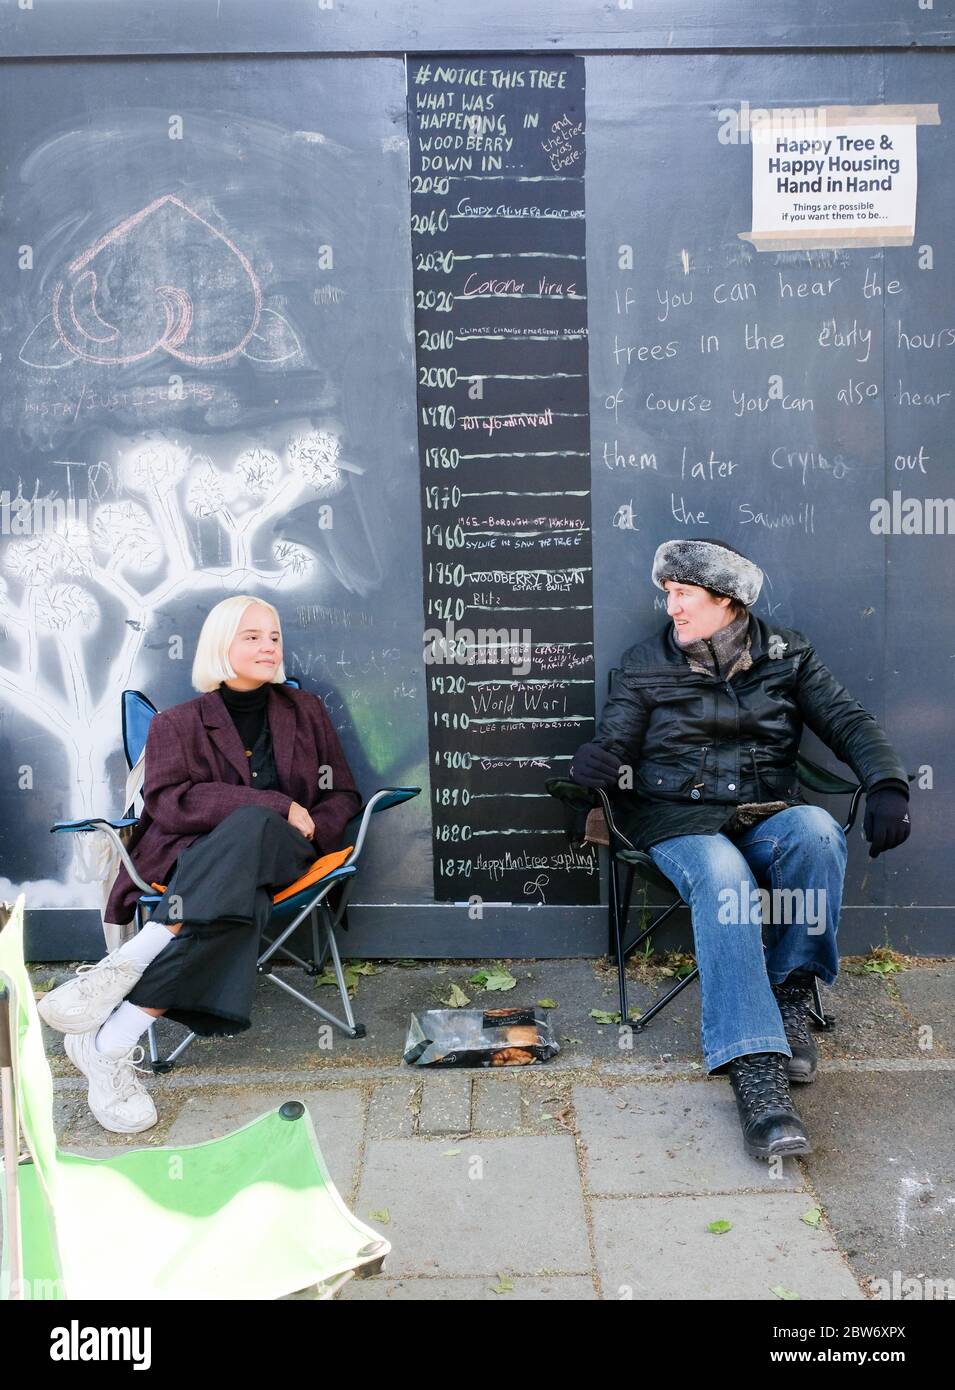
pixel 248 709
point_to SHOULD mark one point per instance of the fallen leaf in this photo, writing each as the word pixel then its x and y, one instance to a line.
pixel 547 1003
pixel 719 1228
pixel 351 974
pixel 812 1217
pixel 504 1285
pixel 603 1016
pixel 457 999
pixel 450 1153
pixel 498 977
pixel 383 1216
pixel 780 1292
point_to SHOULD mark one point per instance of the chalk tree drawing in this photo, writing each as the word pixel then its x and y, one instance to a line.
pixel 77 597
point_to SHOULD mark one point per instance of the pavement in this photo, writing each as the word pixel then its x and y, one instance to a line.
pixel 598 1174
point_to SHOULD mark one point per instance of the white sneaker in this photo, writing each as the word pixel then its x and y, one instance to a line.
pixel 116 1096
pixel 90 996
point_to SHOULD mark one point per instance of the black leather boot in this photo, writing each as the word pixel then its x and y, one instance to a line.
pixel 771 1124
pixel 794 997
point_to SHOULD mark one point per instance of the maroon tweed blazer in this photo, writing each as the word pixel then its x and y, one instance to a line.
pixel 196 773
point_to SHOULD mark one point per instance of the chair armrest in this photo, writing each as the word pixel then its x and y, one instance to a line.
pixel 382 800
pixel 110 828
pixel 570 792
pixel 92 823
pixel 820 779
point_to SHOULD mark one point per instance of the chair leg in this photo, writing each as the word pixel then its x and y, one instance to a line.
pixel 161 1066
pixel 816 1011
pixel 316 962
pixel 350 1028
pixel 342 986
pixel 11 1147
pixel 617 927
pixel 662 1003
pixel 627 895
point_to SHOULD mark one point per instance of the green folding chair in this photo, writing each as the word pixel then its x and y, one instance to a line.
pixel 253 1215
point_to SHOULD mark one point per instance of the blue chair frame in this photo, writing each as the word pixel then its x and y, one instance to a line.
pixel 313 902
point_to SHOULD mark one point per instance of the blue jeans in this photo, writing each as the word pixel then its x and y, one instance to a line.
pixel 801 848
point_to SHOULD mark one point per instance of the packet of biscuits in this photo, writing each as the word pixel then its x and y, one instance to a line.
pixel 479 1038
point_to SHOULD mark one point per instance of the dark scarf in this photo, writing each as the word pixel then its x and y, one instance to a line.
pixel 724 653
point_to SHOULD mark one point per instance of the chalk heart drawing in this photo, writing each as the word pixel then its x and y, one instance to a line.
pixel 166 524
pixel 164 280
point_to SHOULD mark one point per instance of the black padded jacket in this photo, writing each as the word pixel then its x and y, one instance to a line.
pixel 699 745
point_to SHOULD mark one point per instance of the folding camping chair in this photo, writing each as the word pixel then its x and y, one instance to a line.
pixel 602 829
pixel 253 1215
pixel 308 897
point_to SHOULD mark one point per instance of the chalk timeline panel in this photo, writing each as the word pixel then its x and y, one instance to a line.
pixel 498 243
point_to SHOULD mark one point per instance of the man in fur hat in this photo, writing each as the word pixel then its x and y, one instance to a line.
pixel 699 739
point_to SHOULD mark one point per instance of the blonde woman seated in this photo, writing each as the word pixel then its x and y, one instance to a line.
pixel 245 787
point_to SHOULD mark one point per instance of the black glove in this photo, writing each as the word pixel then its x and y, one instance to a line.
pixel 593 766
pixel 887 823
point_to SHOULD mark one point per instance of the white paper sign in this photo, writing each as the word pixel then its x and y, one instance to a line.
pixel 834 185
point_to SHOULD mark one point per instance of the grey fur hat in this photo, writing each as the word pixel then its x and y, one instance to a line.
pixel 711 564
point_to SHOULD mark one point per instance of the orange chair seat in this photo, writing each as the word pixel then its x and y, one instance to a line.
pixel 319 870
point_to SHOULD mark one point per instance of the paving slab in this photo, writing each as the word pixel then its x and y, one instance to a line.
pixel 509 1206
pixel 659 1248
pixel 381 1289
pixel 661 1136
pixel 446 1103
pixel 497 1105
pixel 883 1167
pixel 928 996
pixel 391 1113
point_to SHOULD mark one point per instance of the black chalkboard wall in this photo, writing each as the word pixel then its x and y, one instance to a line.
pixel 498 239
pixel 224 318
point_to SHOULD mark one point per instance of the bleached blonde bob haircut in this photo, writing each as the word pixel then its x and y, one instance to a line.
pixel 211 665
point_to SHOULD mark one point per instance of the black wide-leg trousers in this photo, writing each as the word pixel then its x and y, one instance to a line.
pixel 221 889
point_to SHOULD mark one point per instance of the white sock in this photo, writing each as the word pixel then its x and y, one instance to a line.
pixel 123 1029
pixel 146 944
